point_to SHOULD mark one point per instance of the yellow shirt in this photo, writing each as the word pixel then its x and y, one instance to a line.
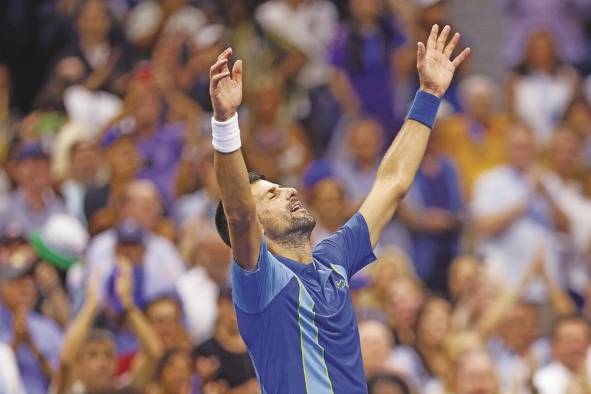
pixel 473 156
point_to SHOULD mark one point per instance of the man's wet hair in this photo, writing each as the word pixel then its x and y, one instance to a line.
pixel 221 222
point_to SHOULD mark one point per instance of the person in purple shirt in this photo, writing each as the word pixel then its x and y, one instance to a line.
pixel 433 212
pixel 363 57
pixel 159 143
pixel 35 339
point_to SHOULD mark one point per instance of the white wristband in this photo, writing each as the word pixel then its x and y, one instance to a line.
pixel 226 134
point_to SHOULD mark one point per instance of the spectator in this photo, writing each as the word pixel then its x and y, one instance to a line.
pixel 10 377
pixel 154 256
pixel 376 345
pixel 88 357
pixel 516 351
pixel 82 176
pixel 464 276
pixel 35 339
pixel 577 117
pixel 198 288
pixel 433 212
pixel 165 314
pixel 405 298
pixel 173 373
pixel 158 142
pixel 425 363
pixel 474 139
pixel 312 29
pixel 570 348
pixel 101 203
pixel 541 87
pixel 475 373
pixel 363 57
pixel 514 214
pixel 330 206
pixel 34 200
pixel 269 139
pixel 104 58
pixel 564 19
pixel 227 351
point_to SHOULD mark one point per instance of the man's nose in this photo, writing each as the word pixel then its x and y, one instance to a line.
pixel 291 192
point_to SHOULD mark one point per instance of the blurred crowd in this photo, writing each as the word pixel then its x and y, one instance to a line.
pixel 114 280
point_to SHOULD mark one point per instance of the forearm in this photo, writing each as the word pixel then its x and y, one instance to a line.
pixel 490 225
pixel 150 343
pixel 75 335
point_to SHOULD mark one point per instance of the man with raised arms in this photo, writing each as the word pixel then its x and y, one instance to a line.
pixel 292 301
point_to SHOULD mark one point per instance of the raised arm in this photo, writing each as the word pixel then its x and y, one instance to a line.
pixel 232 176
pixel 400 164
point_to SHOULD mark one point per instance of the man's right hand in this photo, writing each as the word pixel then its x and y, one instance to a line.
pixel 225 88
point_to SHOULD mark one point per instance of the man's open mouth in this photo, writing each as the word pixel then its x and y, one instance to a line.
pixel 297 206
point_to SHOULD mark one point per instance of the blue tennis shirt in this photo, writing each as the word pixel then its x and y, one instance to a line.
pixel 297 319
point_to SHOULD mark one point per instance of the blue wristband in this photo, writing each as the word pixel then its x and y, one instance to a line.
pixel 424 108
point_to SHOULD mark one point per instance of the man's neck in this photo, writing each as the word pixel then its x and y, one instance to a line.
pixel 300 250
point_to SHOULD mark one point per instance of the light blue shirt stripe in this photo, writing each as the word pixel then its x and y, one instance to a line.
pixel 315 369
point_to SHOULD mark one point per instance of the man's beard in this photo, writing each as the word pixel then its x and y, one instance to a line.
pixel 298 231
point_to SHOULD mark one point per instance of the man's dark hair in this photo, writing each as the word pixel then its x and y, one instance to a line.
pixel 389 378
pixel 221 223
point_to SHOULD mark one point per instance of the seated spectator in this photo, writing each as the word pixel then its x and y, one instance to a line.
pixel 577 117
pixel 569 372
pixel 433 213
pixel 34 200
pixel 331 208
pixel 541 87
pixel 226 351
pixel 312 29
pixel 35 339
pixel 565 20
pixel 82 175
pixel 475 373
pixel 102 203
pixel 273 144
pixel 165 314
pixel 88 359
pixel 426 363
pixel 104 58
pixel 210 260
pixel 514 214
pixel 154 257
pixel 363 57
pixel 517 351
pixel 10 376
pixel 159 142
pixel 173 373
pixel 474 139
pixel 376 345
pixel 405 298
pixel 149 19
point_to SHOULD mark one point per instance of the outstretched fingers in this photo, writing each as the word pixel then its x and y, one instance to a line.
pixel 432 40
pixel 442 39
pixel 451 45
pixel 461 57
pixel 421 51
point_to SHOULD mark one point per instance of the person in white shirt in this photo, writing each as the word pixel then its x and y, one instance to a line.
pixel 10 378
pixel 571 369
pixel 514 215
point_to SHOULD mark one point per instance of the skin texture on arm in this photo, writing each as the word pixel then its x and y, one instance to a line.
pixel 402 160
pixel 230 169
pixel 77 332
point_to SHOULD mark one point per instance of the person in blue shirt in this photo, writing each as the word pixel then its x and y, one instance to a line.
pixel 292 302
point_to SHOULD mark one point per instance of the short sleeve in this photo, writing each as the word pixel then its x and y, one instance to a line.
pixel 350 246
pixel 252 291
pixel 486 196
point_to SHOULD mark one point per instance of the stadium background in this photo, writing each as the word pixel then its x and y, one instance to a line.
pixel 113 278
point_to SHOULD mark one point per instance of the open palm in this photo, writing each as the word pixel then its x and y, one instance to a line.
pixel 225 88
pixel 435 67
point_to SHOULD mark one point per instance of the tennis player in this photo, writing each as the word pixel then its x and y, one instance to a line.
pixel 293 302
